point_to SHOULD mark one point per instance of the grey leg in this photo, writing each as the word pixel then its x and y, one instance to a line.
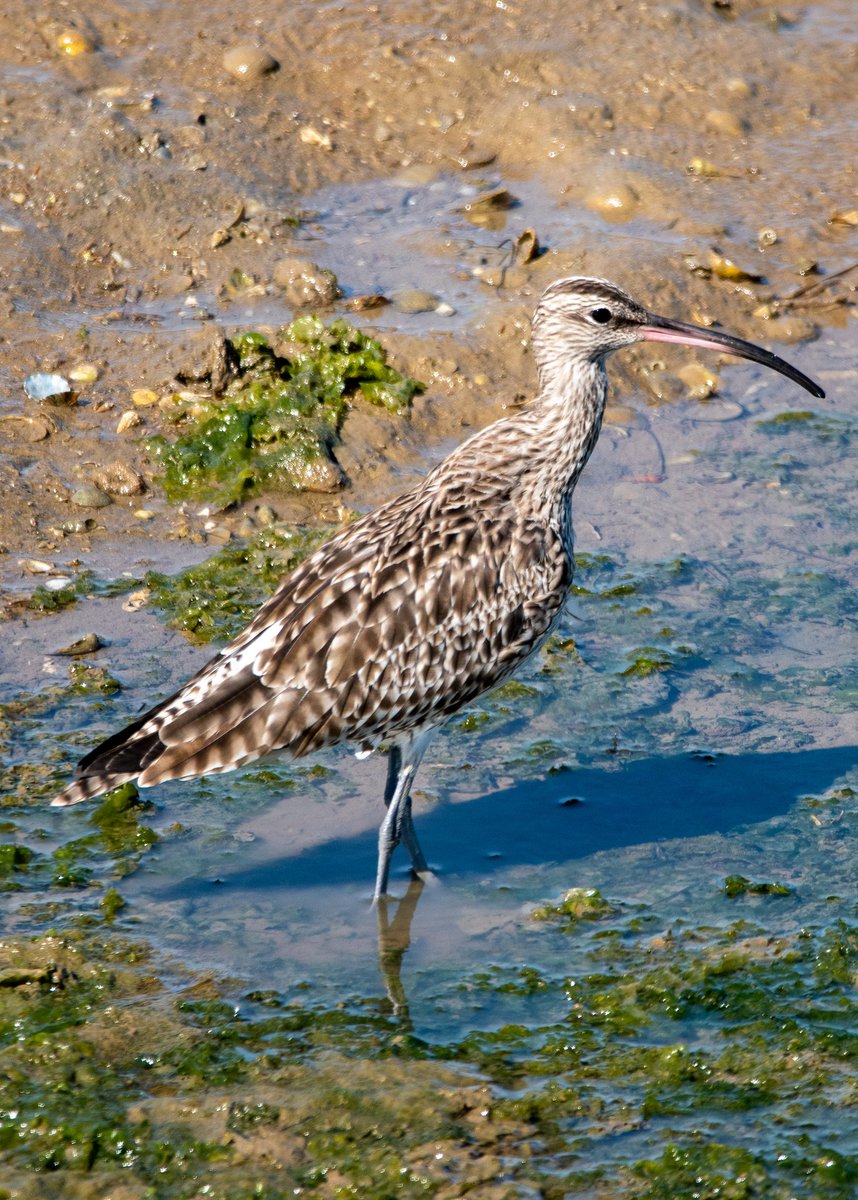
pixel 397 825
pixel 407 832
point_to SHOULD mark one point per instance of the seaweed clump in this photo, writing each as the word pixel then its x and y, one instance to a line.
pixel 278 414
pixel 217 598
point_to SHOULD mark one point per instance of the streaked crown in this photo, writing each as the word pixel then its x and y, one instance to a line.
pixel 585 319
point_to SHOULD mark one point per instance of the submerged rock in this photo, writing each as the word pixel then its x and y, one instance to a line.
pixel 305 283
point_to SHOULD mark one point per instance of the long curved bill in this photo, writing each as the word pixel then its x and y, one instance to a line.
pixel 664 329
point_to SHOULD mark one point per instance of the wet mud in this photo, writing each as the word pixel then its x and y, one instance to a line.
pixel 634 973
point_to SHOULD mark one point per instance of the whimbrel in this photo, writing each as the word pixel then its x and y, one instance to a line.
pixel 422 605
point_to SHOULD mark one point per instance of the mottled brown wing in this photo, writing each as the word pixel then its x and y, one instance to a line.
pixel 392 625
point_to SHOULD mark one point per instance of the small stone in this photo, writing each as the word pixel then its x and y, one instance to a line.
pixel 90 497
pixel 21 428
pixel 220 237
pixel 415 175
pixel 143 514
pixel 87 644
pixel 248 63
pixel 700 381
pixel 488 208
pixel 415 300
pixel 136 600
pixel 84 373
pixel 724 268
pixel 265 514
pixel 311 136
pixel 305 283
pixel 144 398
pixel 474 154
pixel 740 87
pixel 318 475
pixel 614 201
pixel 118 479
pixel 72 42
pixel 365 303
pixel 721 121
pixel 129 420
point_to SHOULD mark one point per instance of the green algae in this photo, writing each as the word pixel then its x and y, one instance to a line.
pixel 659 1033
pixel 87 680
pixel 823 426
pixel 579 904
pixel 279 417
pixel 738 885
pixel 43 600
pixel 216 599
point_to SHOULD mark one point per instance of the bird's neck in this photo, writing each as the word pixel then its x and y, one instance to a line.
pixel 531 460
pixel 561 426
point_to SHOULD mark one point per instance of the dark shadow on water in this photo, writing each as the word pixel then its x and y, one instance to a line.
pixel 567 816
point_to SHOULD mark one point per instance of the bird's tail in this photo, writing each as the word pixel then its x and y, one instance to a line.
pixel 122 757
pixel 85 789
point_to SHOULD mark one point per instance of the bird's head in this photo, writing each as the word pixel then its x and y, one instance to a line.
pixel 581 320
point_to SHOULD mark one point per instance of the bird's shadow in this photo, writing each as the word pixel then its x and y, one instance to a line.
pixel 565 817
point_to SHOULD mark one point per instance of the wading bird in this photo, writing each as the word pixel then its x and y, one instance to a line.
pixel 421 606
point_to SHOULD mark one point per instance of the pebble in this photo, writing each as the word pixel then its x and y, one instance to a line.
pixel 144 398
pixel 72 42
pixel 700 381
pixel 143 514
pixel 365 303
pixel 614 200
pixel 136 600
pixel 129 420
pixel 318 475
pixel 488 208
pixel 84 373
pixel 25 429
pixel 791 329
pixel 118 479
pixel 87 644
pixel 415 300
pixel 474 154
pixel 719 410
pixel 248 63
pixel 265 514
pixel 311 136
pixel 721 121
pixel 415 175
pixel 305 283
pixel 740 87
pixel 90 497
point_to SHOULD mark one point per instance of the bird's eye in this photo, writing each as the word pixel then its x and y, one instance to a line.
pixel 601 316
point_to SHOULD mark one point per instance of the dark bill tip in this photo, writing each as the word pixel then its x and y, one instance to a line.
pixel 663 329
